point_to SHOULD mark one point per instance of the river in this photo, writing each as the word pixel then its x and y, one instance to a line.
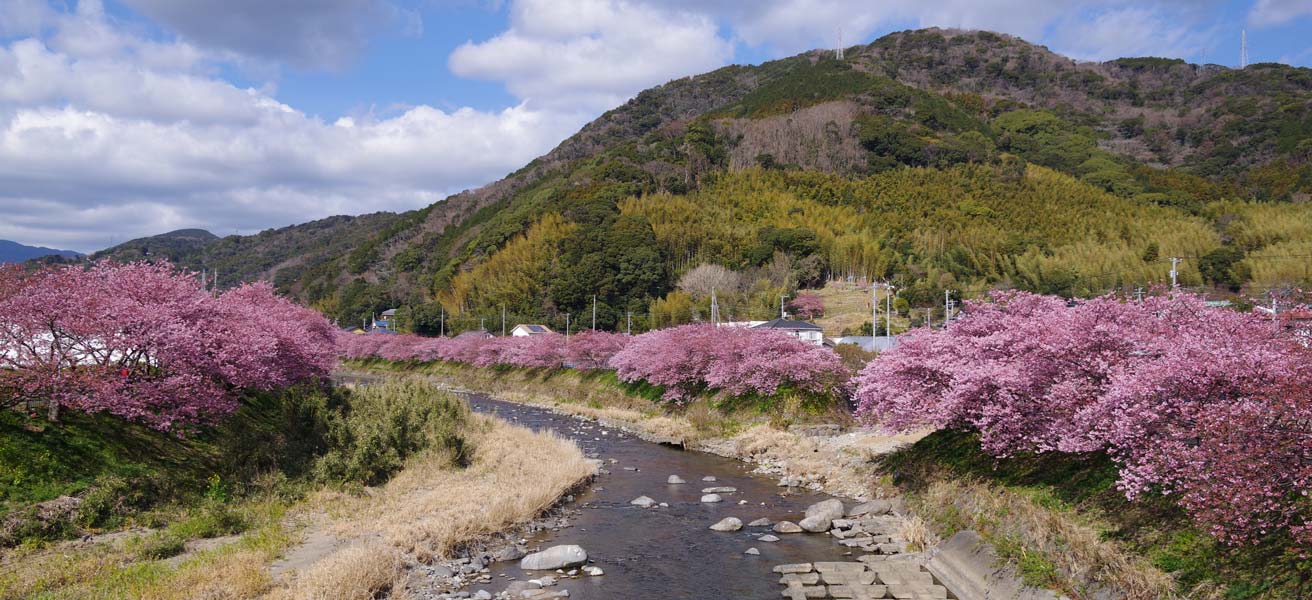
pixel 662 553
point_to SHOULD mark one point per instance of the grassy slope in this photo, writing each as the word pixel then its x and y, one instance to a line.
pixel 949 479
pixel 279 456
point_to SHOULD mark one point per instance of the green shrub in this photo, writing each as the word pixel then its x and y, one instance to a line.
pixel 381 426
pixel 158 546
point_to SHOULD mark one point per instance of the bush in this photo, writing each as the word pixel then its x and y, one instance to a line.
pixel 381 426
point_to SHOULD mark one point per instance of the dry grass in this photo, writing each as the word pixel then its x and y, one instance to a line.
pixel 373 570
pixel 1050 547
pixel 430 510
pixel 917 534
pixel 847 307
pixel 111 570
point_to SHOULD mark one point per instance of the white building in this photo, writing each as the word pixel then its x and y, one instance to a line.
pixel 528 329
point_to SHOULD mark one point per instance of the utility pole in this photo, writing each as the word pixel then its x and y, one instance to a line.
pixel 594 312
pixel 1175 272
pixel 566 328
pixel 715 309
pixel 441 327
pixel 481 324
pixel 947 306
pixel 888 305
pixel 782 314
pixel 874 311
pixel 503 320
pixel 628 316
pixel 1138 294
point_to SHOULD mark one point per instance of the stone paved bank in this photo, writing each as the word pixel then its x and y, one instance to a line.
pixel 887 571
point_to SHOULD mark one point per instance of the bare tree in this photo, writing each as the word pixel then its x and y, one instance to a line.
pixel 701 280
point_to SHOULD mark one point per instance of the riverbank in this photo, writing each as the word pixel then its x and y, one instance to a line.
pixel 389 479
pixel 1044 542
pixel 818 450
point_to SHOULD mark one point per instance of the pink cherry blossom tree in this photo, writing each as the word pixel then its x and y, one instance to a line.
pixel 1208 405
pixel 144 342
pixel 807 305
pixel 594 349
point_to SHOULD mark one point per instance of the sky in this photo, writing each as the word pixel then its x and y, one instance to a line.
pixel 126 118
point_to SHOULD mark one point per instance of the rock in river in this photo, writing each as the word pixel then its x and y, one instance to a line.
pixel 719 490
pixel 787 527
pixel 728 524
pixel 708 498
pixel 643 501
pixel 555 557
pixel 815 524
pixel 831 509
pixel 675 480
pixel 871 508
pixel 761 522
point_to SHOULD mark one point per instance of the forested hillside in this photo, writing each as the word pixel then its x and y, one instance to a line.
pixel 942 160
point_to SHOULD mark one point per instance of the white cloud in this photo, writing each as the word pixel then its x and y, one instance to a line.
pixel 1266 13
pixel 1132 31
pixel 102 140
pixel 591 54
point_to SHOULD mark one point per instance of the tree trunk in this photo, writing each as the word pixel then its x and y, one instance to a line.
pixel 52 410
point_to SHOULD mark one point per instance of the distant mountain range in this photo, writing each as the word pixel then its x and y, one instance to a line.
pixel 15 252
pixel 946 161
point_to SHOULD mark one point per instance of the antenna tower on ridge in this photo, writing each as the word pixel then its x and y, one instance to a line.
pixel 839 53
pixel 1243 49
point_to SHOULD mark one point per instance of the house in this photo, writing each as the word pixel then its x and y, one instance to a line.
pixel 869 343
pixel 473 334
pixel 385 321
pixel 1298 322
pixel 528 329
pixel 807 332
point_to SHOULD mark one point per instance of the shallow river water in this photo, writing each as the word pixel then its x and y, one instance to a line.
pixel 665 552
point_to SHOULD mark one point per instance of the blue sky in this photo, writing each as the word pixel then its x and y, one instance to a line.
pixel 125 118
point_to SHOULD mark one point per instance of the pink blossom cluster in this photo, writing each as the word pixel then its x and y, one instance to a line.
pixel 146 343
pixel 588 350
pixel 690 358
pixel 807 305
pixel 1208 405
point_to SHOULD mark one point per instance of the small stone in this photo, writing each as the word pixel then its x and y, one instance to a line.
pixel 483 595
pixel 752 551
pixel 708 498
pixel 664 505
pixel 675 480
pixel 709 478
pixel 762 522
pixel 630 468
pixel 728 524
pixel 594 571
pixel 643 501
pixel 719 490
pixel 786 527
pixel 768 538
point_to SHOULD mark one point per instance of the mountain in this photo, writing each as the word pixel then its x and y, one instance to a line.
pixel 285 256
pixel 15 252
pixel 947 161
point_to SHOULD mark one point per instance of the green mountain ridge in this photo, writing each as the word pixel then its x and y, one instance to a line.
pixel 942 159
